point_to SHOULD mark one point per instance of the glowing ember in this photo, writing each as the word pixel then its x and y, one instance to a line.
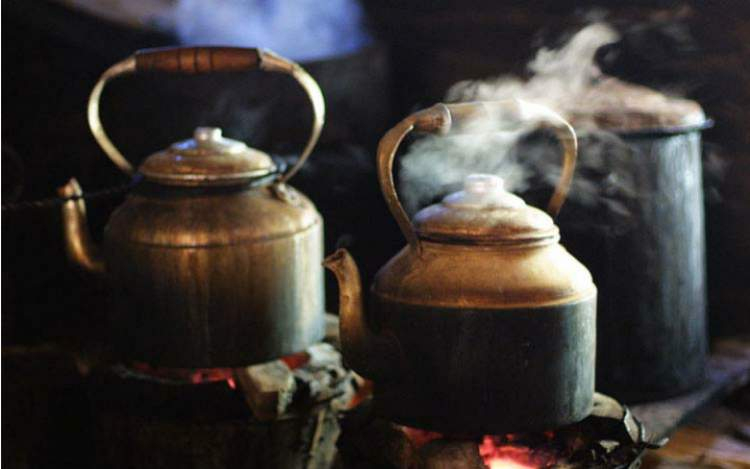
pixel 502 463
pixel 500 453
pixel 205 375
pixel 364 388
pixel 421 437
pixel 497 452
pixel 296 360
pixel 184 375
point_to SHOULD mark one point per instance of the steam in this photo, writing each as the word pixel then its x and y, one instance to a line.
pixel 299 29
pixel 561 80
pixel 435 166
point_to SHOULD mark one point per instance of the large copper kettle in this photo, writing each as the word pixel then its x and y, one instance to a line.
pixel 483 323
pixel 213 259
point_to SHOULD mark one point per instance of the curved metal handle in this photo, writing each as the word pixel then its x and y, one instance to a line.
pixel 191 60
pixel 443 118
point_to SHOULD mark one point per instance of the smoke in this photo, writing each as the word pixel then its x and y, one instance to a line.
pixel 561 79
pixel 299 29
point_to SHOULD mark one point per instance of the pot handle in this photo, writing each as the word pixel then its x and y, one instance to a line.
pixel 442 118
pixel 192 60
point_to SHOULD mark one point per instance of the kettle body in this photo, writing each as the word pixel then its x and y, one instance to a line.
pixel 213 259
pixel 214 277
pixel 483 315
pixel 480 364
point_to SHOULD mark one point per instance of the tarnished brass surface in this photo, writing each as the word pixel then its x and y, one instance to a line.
pixel 213 259
pixel 208 278
pixel 182 218
pixel 483 213
pixel 372 354
pixel 78 245
pixel 215 279
pixel 206 159
pixel 483 315
pixel 457 276
pixel 124 67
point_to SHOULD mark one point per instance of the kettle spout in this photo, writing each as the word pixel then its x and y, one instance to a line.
pixel 366 352
pixel 78 245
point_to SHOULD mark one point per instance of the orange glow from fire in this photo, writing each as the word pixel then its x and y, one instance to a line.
pixel 501 453
pixel 421 437
pixel 188 375
pixel 296 360
pixel 497 451
pixel 209 375
pixel 505 463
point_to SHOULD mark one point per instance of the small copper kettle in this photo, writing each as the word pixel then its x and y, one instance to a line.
pixel 214 260
pixel 483 323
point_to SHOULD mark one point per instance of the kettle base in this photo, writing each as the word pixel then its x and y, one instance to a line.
pixel 494 371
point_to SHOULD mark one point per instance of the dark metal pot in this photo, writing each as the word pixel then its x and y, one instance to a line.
pixel 484 315
pixel 648 256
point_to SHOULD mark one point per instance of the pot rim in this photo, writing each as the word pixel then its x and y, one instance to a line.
pixel 663 131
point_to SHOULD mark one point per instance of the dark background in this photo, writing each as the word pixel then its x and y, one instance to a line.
pixel 52 56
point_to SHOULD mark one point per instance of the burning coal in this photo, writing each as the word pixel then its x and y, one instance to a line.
pixel 299 29
pixel 145 371
pixel 500 454
pixel 562 80
pixel 494 452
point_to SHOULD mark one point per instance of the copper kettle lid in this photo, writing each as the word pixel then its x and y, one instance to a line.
pixel 207 159
pixel 484 213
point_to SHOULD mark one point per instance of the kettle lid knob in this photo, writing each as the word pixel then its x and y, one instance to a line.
pixel 484 212
pixel 484 191
pixel 207 134
pixel 483 183
pixel 208 159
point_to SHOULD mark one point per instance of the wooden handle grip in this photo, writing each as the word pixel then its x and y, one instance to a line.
pixel 197 59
